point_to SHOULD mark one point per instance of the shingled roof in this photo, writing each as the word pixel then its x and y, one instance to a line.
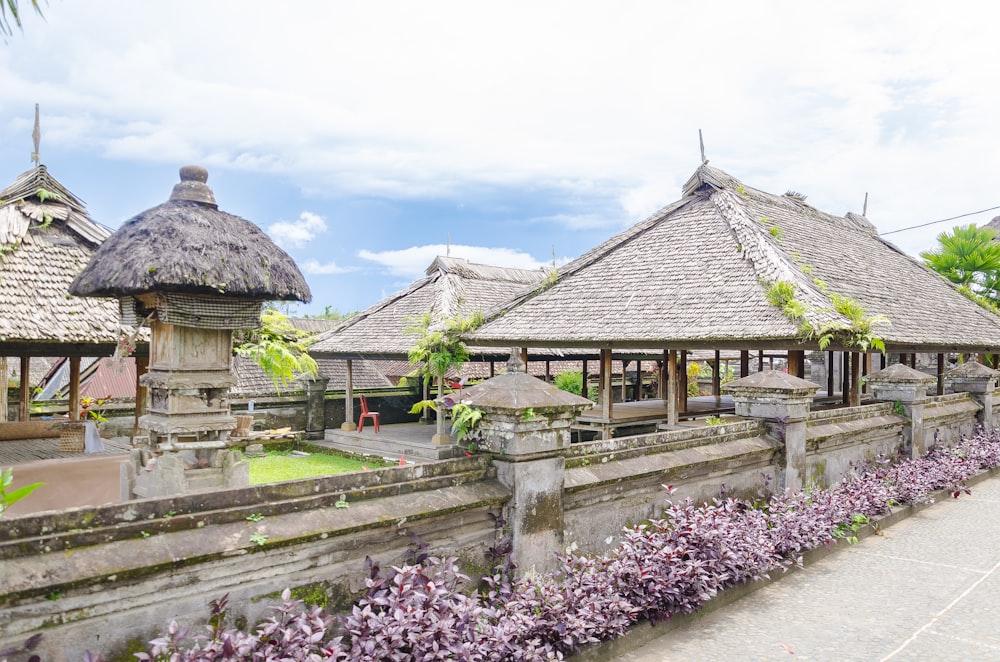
pixel 696 275
pixel 452 287
pixel 46 239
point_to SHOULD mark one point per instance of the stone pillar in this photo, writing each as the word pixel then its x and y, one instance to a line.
pixel 782 401
pixel 526 425
pixel 316 408
pixel 907 388
pixel 981 382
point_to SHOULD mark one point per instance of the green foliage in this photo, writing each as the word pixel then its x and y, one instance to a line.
pixel 776 232
pixel 279 466
pixel 255 517
pixel 713 421
pixel 849 530
pixel 858 331
pixel 9 497
pixel 14 9
pixel 969 257
pixel 465 418
pixel 44 194
pixel 440 349
pixel 570 381
pixel 279 348
pixel 259 539
pixel 693 373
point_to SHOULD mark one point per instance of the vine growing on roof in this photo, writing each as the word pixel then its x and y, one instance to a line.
pixel 859 331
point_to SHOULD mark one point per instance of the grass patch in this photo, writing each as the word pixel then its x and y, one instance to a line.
pixel 278 466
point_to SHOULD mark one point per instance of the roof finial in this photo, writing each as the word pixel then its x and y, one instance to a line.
pixel 701 142
pixel 36 136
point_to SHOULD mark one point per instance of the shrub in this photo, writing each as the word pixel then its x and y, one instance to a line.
pixel 425 609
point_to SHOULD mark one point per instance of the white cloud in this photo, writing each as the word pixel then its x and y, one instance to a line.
pixel 315 267
pixel 412 262
pixel 297 233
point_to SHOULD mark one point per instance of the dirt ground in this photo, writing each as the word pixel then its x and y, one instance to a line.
pixel 69 482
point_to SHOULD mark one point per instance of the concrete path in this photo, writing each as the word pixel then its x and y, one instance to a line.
pixel 927 589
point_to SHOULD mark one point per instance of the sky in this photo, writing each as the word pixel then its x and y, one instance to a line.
pixel 368 137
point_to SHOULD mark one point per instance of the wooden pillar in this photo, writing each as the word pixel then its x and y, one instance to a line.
pixel 74 388
pixel 584 390
pixel 940 374
pixel 855 379
pixel 796 361
pixel 349 423
pixel 744 362
pixel 624 380
pixel 662 387
pixel 524 357
pixel 913 360
pixel 548 371
pixel 607 392
pixel 638 379
pixel 673 381
pixel 845 375
pixel 830 356
pixel 141 368
pixel 866 368
pixel 493 369
pixel 717 376
pixel 760 360
pixel 882 361
pixel 23 409
pixel 683 368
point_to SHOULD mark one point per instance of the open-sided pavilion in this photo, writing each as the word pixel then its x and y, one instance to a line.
pixel 730 267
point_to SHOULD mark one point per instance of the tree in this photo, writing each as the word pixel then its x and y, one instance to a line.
pixel 969 257
pixel 278 347
pixel 10 10
pixel 438 349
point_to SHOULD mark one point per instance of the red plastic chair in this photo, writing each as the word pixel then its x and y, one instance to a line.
pixel 366 414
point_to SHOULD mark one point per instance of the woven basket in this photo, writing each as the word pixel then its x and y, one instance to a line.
pixel 71 438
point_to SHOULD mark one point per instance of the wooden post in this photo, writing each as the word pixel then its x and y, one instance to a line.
pixel 349 423
pixel 607 392
pixel 524 357
pixel 548 371
pixel 23 410
pixel 744 362
pixel 855 379
pixel 670 366
pixel 74 388
pixel 624 380
pixel 796 361
pixel 717 376
pixel 913 360
pixel 760 360
pixel 940 374
pixel 584 390
pixel 662 388
pixel 882 361
pixel 866 367
pixel 493 369
pixel 683 369
pixel 830 357
pixel 638 379
pixel 845 376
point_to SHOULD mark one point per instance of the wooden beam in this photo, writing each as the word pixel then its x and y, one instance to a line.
pixel 940 374
pixel 638 379
pixel 673 380
pixel 548 371
pixel 493 369
pixel 744 363
pixel 855 379
pixel 830 357
pixel 74 388
pixel 845 376
pixel 716 375
pixel 624 380
pixel 586 377
pixel 662 387
pixel 607 392
pixel 683 369
pixel 760 360
pixel 23 409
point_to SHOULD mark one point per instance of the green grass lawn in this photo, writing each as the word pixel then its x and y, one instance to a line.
pixel 278 466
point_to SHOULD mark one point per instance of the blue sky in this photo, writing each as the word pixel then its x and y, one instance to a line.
pixel 363 137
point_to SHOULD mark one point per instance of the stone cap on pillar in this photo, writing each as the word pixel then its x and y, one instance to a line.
pixel 972 377
pixel 519 391
pixel 899 382
pixel 772 395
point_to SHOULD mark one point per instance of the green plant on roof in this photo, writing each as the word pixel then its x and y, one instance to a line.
pixel 44 194
pixel 776 232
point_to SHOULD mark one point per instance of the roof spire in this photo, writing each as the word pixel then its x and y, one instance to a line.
pixel 36 137
pixel 701 142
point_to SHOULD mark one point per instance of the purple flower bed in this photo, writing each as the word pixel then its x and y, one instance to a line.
pixel 427 610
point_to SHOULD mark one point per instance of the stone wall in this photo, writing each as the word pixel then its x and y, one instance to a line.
pixel 101 578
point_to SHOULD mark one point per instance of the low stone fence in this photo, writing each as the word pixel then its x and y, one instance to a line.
pixel 109 578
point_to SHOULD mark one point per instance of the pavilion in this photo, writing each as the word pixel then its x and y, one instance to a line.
pixel 730 267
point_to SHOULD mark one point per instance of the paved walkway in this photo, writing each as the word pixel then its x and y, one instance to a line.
pixel 928 589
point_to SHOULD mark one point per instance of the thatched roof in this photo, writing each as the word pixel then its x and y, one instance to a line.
pixel 696 275
pixel 452 287
pixel 46 238
pixel 187 245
